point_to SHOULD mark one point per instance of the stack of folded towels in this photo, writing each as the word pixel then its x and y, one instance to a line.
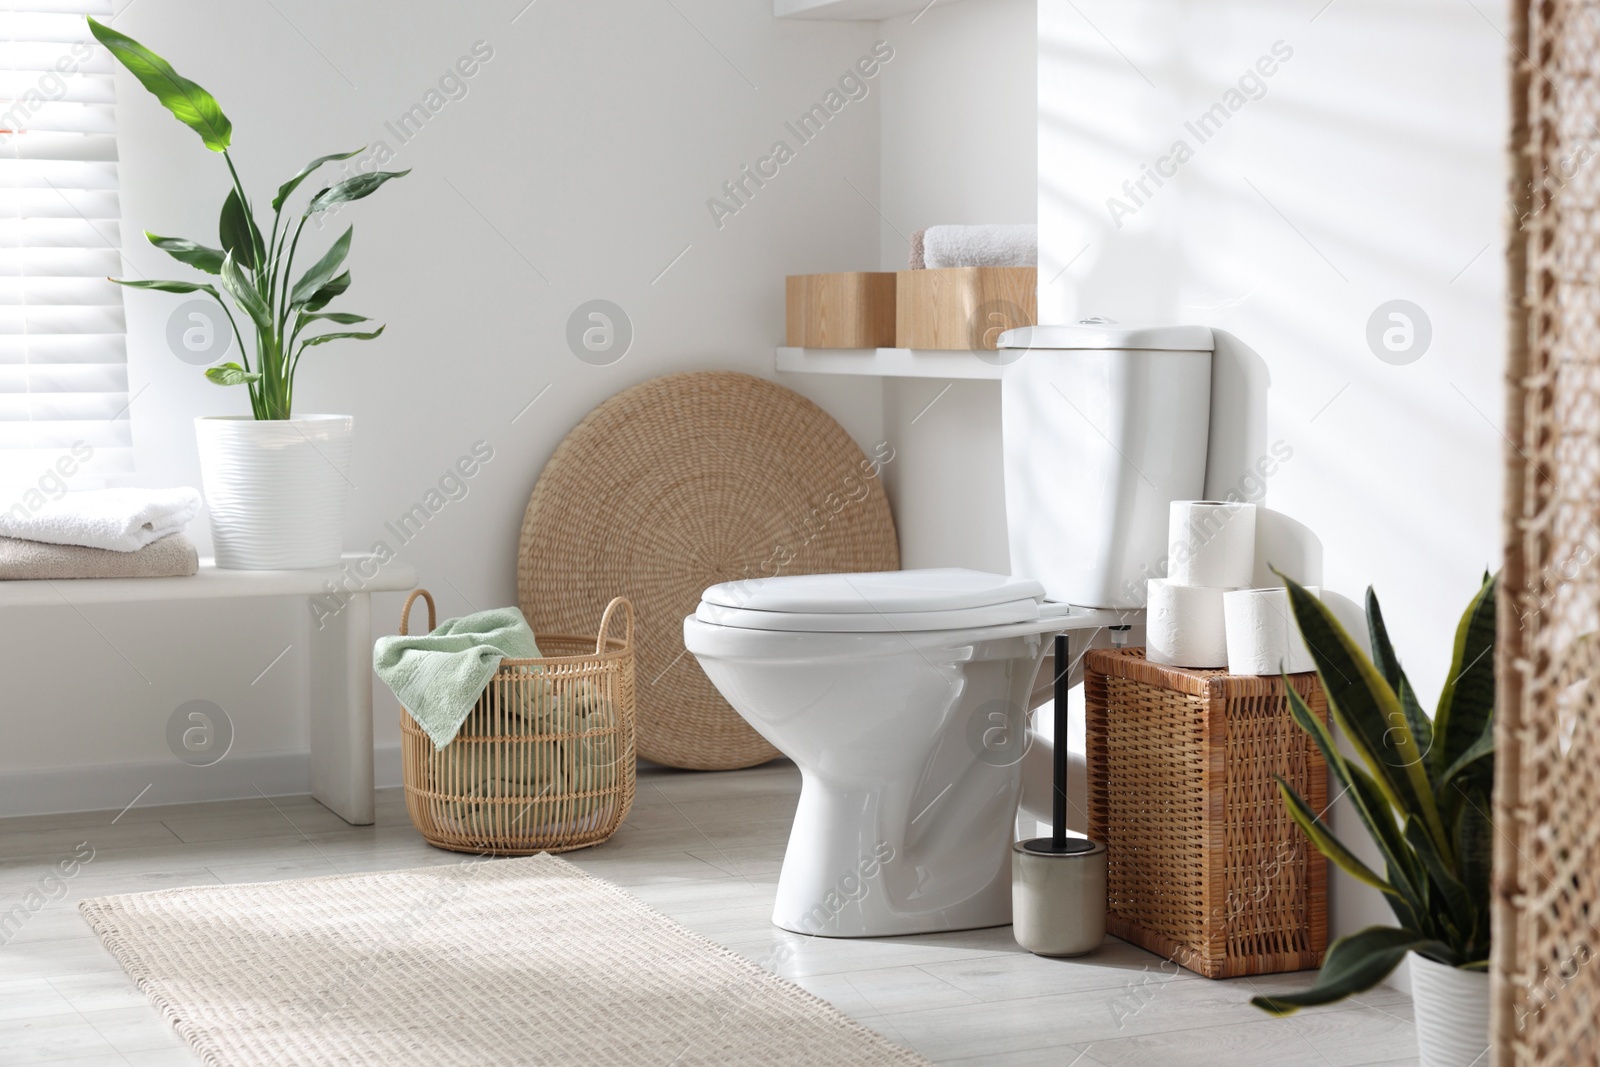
pixel 975 246
pixel 101 533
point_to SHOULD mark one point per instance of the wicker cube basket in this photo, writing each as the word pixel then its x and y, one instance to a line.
pixel 544 762
pixel 1205 866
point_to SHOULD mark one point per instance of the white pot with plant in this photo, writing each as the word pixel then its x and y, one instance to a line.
pixel 276 483
pixel 1424 797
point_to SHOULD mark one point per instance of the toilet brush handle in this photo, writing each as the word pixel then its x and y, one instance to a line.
pixel 1058 799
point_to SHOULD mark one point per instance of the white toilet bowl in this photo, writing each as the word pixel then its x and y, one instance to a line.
pixel 902 697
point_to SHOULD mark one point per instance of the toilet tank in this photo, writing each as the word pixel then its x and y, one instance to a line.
pixel 1104 425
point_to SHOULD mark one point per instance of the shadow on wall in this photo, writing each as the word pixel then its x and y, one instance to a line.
pixel 1241 461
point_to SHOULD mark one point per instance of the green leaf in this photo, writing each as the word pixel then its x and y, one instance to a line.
pixel 1417 721
pixel 322 271
pixel 244 294
pixel 324 338
pixel 1375 813
pixel 186 251
pixel 166 286
pixel 1459 905
pixel 361 185
pixel 1405 870
pixel 343 318
pixel 1368 711
pixel 292 184
pixel 1301 712
pixel 1326 843
pixel 1467 704
pixel 1354 964
pixel 238 231
pixel 328 292
pixel 231 374
pixel 1383 656
pixel 192 105
pixel 1388 664
pixel 1474 761
pixel 1475 849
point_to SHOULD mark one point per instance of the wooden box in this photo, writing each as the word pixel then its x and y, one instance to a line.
pixel 1204 865
pixel 963 307
pixel 854 309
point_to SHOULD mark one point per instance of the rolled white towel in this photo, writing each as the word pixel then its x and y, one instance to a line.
pixel 119 520
pixel 981 246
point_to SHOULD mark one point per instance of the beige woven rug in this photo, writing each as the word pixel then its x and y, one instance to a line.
pixel 520 961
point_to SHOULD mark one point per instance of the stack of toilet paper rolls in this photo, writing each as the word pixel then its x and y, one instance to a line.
pixel 1204 613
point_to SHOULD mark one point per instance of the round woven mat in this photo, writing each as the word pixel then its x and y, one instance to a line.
pixel 675 485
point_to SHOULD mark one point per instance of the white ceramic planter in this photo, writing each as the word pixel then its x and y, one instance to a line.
pixel 276 490
pixel 1452 1008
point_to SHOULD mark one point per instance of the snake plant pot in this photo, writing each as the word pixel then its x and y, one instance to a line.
pixel 1452 1007
pixel 276 490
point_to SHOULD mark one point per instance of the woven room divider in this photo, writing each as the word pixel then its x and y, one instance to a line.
pixel 1545 971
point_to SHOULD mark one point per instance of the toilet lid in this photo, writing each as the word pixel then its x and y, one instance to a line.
pixel 862 622
pixel 937 599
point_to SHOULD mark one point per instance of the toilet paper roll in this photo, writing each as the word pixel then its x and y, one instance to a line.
pixel 1185 625
pixel 1262 635
pixel 1212 543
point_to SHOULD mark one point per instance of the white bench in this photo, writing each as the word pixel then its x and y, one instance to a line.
pixel 340 653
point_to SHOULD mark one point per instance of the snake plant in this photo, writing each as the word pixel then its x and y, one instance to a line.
pixel 1421 788
pixel 254 268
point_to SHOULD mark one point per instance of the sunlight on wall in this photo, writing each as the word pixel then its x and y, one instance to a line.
pixel 1312 162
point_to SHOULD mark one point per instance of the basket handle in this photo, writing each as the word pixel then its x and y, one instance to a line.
pixel 605 624
pixel 405 612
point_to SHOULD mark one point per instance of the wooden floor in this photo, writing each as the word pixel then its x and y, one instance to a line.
pixel 703 848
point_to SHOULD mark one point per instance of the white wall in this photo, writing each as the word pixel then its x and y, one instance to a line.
pixel 584 150
pixel 959 146
pixel 1370 170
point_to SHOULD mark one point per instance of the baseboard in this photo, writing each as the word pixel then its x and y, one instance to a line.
pixel 111 787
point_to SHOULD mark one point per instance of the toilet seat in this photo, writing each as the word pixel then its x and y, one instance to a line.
pixel 948 598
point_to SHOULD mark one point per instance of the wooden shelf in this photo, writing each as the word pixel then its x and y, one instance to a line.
pixel 894 362
pixel 853 10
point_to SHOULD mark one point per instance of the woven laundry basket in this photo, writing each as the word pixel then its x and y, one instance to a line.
pixel 1204 865
pixel 545 761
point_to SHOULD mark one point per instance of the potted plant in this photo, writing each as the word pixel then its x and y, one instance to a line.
pixel 275 482
pixel 1422 790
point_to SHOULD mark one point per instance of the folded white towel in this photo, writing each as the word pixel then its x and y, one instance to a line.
pixel 120 520
pixel 981 246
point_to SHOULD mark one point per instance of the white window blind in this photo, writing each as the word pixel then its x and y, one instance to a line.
pixel 63 348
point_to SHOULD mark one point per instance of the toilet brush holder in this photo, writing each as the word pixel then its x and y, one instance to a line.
pixel 1058 899
pixel 1058 883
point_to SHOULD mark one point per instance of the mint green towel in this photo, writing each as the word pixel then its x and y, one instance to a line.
pixel 439 676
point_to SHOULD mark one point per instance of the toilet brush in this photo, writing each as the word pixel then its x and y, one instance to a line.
pixel 1058 883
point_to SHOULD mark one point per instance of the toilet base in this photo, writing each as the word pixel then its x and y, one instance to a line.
pixel 838 914
pixel 861 863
